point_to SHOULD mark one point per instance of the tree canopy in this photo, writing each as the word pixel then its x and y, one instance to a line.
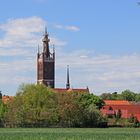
pixel 124 95
pixel 40 106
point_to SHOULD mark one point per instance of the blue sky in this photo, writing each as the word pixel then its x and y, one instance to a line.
pixel 99 39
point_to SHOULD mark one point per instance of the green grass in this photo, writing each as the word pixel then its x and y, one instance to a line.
pixel 70 134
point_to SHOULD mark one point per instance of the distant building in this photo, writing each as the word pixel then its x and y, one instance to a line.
pixel 6 98
pixel 46 68
pixel 46 64
pixel 126 108
pixel 69 89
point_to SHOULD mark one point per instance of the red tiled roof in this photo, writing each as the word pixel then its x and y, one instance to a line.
pixel 6 98
pixel 127 108
pixel 117 102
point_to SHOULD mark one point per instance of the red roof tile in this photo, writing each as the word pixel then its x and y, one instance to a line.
pixel 71 90
pixel 6 98
pixel 117 102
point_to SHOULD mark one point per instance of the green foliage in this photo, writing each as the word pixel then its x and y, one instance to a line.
pixel 3 110
pixel 33 105
pixel 40 106
pixel 134 121
pixel 125 95
pixel 131 119
pixel 90 99
pixel 69 110
pixel 128 95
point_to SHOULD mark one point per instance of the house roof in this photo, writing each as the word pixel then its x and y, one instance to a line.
pixel 117 102
pixel 6 98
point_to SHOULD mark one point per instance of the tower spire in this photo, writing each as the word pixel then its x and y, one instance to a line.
pixel 38 51
pixel 46 41
pixel 68 82
pixel 46 63
pixel 45 30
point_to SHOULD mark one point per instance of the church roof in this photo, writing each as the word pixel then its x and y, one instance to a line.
pixel 71 90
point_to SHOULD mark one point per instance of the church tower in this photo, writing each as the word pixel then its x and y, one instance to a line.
pixel 46 64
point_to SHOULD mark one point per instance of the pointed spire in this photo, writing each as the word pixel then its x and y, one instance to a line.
pixel 46 30
pixel 87 89
pixel 46 41
pixel 38 51
pixel 68 82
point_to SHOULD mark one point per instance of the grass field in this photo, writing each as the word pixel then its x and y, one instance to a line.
pixel 70 134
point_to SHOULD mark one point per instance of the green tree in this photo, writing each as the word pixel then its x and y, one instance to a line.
pixel 40 106
pixel 106 96
pixel 128 95
pixel 131 119
pixel 33 105
pixel 91 105
pixel 87 99
pixel 69 110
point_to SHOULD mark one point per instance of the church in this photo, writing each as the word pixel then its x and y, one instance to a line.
pixel 46 68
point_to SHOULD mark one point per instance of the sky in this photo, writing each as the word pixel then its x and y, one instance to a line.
pixel 98 39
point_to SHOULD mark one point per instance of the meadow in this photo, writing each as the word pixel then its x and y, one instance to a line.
pixel 69 134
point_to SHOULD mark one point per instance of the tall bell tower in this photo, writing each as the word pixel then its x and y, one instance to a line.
pixel 46 64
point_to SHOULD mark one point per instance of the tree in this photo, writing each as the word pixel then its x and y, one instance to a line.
pixel 131 119
pixel 128 95
pixel 91 115
pixel 70 111
pixel 87 99
pixel 106 96
pixel 33 105
pixel 40 106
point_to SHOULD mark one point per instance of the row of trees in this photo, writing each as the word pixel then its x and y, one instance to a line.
pixel 125 95
pixel 39 106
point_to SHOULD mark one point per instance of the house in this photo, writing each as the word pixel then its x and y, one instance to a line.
pixel 6 98
pixel 126 108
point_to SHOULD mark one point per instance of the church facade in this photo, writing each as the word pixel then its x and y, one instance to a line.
pixel 46 64
pixel 46 68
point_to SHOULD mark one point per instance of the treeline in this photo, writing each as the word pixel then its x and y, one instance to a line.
pixel 39 106
pixel 124 95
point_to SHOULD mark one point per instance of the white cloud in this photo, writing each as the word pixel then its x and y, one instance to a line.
pixel 18 47
pixel 24 32
pixel 21 32
pixel 58 26
pixel 17 71
pixel 102 73
pixel 57 42
pixel 70 28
